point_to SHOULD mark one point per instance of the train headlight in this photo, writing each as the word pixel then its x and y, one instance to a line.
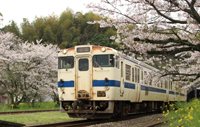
pixel 64 51
pixel 103 49
pixel 101 94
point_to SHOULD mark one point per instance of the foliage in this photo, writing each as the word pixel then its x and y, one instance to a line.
pixel 155 30
pixel 12 28
pixel 100 38
pixel 67 30
pixel 187 114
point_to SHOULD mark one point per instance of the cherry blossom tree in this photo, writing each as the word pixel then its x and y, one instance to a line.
pixel 27 70
pixel 166 30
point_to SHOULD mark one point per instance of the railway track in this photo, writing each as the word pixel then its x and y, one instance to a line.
pixel 156 124
pixel 31 111
pixel 82 123
pixel 10 124
pixel 159 124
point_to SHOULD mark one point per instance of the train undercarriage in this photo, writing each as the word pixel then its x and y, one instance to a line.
pixel 107 109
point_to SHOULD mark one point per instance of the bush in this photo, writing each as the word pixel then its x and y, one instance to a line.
pixel 187 114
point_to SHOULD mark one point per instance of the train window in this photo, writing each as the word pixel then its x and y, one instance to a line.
pixel 150 82
pixel 145 80
pixel 83 65
pixel 141 75
pixel 133 75
pixel 171 84
pixel 166 84
pixel 103 60
pixel 154 83
pixel 122 69
pixel 117 62
pixel 162 83
pixel 128 72
pixel 65 62
pixel 159 84
pixel 136 75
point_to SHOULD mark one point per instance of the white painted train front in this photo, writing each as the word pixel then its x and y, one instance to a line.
pixel 97 82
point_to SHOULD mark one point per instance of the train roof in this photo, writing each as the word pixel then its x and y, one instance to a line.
pixel 94 47
pixel 98 47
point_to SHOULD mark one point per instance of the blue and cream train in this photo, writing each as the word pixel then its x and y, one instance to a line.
pixel 98 82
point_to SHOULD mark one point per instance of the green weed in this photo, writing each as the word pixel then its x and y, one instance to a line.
pixel 37 118
pixel 183 114
pixel 25 106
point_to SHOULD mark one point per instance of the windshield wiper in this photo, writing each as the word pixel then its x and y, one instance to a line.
pixel 98 65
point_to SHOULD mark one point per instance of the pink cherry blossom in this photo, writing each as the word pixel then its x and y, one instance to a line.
pixel 27 70
pixel 158 28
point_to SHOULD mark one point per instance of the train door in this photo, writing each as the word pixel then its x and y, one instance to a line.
pixel 122 79
pixel 83 84
pixel 137 83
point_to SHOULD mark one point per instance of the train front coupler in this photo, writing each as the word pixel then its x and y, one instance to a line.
pixel 84 109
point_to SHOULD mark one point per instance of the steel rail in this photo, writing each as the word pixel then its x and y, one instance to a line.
pixel 30 111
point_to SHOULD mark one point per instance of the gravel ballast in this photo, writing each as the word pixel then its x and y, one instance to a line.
pixel 137 122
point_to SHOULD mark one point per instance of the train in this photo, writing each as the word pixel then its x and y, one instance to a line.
pixel 100 82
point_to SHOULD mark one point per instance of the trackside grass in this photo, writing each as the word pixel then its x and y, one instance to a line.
pixel 25 106
pixel 183 114
pixel 37 118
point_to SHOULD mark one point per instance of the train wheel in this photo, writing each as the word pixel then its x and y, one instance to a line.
pixel 149 107
pixel 126 109
pixel 119 111
pixel 116 110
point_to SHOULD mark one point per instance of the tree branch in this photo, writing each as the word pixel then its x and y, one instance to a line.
pixel 161 14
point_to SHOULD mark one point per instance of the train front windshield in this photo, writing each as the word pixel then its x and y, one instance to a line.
pixel 65 62
pixel 103 60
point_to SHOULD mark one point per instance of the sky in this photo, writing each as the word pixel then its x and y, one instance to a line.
pixel 18 9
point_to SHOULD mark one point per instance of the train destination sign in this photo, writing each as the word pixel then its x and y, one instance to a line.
pixel 83 49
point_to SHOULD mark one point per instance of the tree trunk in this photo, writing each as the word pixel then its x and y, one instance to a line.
pixel 13 101
pixel 58 101
pixel 32 103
